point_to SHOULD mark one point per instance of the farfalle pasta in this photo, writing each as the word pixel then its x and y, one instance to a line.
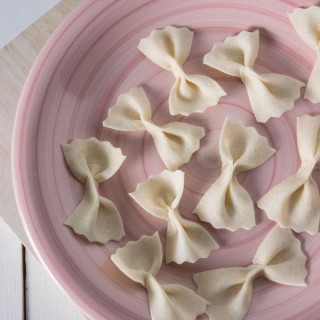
pixel 228 290
pixel 141 261
pixel 295 203
pixel 306 23
pixel 270 94
pixel 175 141
pixel 92 162
pixel 160 196
pixel 169 49
pixel 227 204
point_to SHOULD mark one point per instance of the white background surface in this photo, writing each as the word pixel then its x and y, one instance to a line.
pixel 26 289
pixel 17 15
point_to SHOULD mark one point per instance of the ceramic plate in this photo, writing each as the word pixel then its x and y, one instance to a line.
pixel 86 64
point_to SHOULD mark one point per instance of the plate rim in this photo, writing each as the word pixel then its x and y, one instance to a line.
pixel 19 193
pixel 18 188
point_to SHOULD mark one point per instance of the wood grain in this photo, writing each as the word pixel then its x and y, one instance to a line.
pixel 16 60
pixel 43 297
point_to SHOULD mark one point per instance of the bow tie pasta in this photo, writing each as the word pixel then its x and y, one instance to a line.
pixel 141 261
pixel 92 162
pixel 175 141
pixel 160 196
pixel 306 23
pixel 228 290
pixel 169 48
pixel 227 204
pixel 270 94
pixel 295 202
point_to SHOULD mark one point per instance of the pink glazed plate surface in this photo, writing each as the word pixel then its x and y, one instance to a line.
pixel 86 64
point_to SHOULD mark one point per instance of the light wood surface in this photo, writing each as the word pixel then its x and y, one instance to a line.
pixel 27 291
pixel 16 60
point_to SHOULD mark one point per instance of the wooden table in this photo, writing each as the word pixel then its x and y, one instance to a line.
pixel 27 291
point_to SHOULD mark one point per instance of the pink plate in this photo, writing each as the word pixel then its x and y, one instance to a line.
pixel 86 64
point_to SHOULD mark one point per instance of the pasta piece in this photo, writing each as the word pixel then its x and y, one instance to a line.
pixel 160 196
pixel 169 49
pixel 306 23
pixel 141 261
pixel 175 141
pixel 227 204
pixel 228 290
pixel 270 94
pixel 295 203
pixel 92 162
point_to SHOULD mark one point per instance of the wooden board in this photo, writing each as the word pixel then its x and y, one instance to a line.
pixel 16 60
pixel 27 291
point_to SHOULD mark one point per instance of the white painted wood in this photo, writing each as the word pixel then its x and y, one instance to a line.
pixel 11 276
pixel 45 300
